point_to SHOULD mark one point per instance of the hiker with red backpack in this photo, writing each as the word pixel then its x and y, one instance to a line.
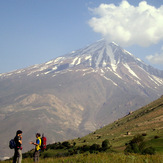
pixel 40 145
pixel 37 147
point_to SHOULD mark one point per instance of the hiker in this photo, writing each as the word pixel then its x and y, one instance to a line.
pixel 37 147
pixel 18 148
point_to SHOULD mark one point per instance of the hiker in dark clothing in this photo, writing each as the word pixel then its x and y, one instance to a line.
pixel 37 147
pixel 18 149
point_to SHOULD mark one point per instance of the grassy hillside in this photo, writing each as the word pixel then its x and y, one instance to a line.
pixel 148 121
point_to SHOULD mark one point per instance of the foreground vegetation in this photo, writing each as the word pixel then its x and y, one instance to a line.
pixel 137 151
pixel 100 158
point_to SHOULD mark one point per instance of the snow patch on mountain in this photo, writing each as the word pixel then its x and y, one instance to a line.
pixel 112 59
pixel 157 80
pixel 100 56
pixel 128 53
pixel 89 57
pixel 114 72
pixel 130 70
pixel 109 79
pixel 47 63
pixel 74 60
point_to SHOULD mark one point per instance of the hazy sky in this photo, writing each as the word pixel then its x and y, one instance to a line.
pixel 36 31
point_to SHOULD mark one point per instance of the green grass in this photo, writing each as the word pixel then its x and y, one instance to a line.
pixel 157 144
pixel 100 158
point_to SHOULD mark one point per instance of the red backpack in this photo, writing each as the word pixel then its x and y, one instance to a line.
pixel 43 143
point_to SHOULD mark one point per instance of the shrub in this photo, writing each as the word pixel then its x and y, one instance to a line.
pixel 137 139
pixel 95 147
pixel 156 137
pixel 66 144
pixel 106 144
pixel 71 151
pixel 52 146
pixel 149 150
pixel 135 148
pixel 138 145
pixel 74 144
pixel 144 134
pixel 85 148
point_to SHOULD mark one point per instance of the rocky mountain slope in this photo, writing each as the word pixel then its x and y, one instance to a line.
pixel 75 94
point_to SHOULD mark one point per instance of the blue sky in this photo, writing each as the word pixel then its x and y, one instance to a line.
pixel 36 31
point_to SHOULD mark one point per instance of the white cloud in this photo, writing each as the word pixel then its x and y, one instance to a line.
pixel 156 58
pixel 127 24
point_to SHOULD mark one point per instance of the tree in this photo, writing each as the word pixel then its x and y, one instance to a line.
pixel 149 150
pixel 138 145
pixel 95 147
pixel 106 144
pixel 66 144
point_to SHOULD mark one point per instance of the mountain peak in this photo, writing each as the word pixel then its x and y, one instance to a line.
pixel 101 54
pixel 98 55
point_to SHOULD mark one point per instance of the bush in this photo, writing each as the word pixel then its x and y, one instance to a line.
pixel 52 146
pixel 106 145
pixel 135 148
pixel 138 145
pixel 85 148
pixel 74 144
pixel 137 139
pixel 95 147
pixel 71 151
pixel 66 144
pixel 144 134
pixel 149 150
pixel 156 137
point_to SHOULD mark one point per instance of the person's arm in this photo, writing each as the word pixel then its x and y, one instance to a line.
pixel 33 143
pixel 20 140
pixel 37 143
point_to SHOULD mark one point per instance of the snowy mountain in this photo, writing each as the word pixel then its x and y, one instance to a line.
pixel 100 55
pixel 75 94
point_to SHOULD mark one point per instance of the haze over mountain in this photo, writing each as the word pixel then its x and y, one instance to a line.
pixel 75 94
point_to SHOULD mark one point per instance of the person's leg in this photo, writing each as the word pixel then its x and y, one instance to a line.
pixel 19 156
pixel 36 155
pixel 15 156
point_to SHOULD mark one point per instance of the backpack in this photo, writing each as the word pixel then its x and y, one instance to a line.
pixel 12 144
pixel 43 143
